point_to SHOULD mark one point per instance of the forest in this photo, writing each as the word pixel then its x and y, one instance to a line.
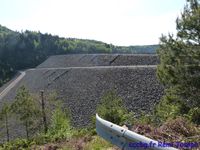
pixel 27 49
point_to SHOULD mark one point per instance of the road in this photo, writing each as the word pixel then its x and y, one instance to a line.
pixel 23 73
pixel 12 84
pixel 98 67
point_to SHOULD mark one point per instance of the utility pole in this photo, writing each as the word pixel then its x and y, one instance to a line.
pixel 43 112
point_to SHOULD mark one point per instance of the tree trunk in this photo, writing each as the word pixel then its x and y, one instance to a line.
pixel 43 113
pixel 27 132
pixel 7 128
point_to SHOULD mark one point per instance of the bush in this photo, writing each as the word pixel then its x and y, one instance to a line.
pixel 194 115
pixel 18 144
pixel 111 108
pixel 98 143
pixel 60 125
pixel 144 119
pixel 170 107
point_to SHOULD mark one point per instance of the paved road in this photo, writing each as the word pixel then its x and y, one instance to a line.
pixel 12 84
pixel 23 73
pixel 98 67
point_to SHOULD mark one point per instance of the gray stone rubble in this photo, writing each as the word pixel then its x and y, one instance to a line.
pixel 81 89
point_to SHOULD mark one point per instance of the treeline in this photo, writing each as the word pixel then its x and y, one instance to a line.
pixel 145 49
pixel 21 50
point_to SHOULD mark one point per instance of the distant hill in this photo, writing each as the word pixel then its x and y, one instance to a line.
pixel 145 49
pixel 21 50
pixel 4 30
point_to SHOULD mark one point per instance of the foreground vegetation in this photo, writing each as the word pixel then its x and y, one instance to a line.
pixel 55 131
pixel 61 134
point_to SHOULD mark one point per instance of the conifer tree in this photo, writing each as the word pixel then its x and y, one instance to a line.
pixel 26 109
pixel 4 117
pixel 179 68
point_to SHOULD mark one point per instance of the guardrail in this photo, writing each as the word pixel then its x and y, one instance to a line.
pixel 126 139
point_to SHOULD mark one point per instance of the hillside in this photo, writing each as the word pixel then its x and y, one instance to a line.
pixel 81 80
pixel 5 31
pixel 87 60
pixel 22 50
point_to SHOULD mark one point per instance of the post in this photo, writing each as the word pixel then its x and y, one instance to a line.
pixel 43 112
pixel 7 128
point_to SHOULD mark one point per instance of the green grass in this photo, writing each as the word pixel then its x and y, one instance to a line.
pixel 97 143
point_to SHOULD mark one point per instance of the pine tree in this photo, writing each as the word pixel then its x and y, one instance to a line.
pixel 4 117
pixel 26 109
pixel 179 67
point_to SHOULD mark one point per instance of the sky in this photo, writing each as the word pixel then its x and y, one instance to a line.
pixel 118 22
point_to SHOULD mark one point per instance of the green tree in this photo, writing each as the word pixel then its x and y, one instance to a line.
pixel 48 104
pixel 60 125
pixel 179 68
pixel 26 109
pixel 4 117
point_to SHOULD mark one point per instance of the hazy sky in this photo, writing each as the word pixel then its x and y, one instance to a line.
pixel 120 22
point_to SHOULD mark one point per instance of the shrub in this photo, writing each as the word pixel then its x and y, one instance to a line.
pixel 18 144
pixel 170 107
pixel 194 115
pixel 111 108
pixel 60 127
pixel 144 119
pixel 97 144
